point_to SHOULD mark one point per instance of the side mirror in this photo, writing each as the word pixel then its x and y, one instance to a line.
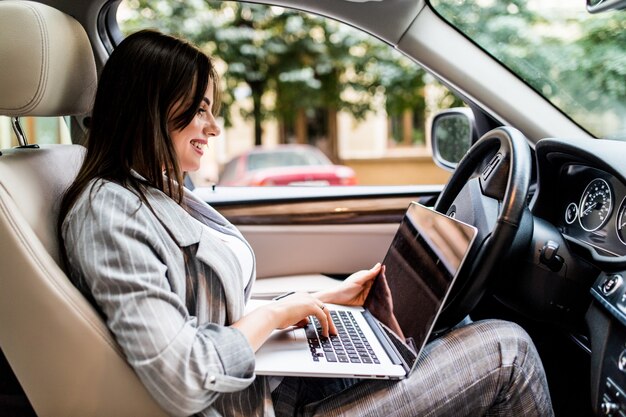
pixel 452 133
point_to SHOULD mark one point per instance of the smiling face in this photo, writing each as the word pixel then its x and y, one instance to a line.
pixel 191 141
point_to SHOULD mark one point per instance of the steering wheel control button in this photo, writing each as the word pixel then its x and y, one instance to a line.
pixel 490 166
pixel 611 284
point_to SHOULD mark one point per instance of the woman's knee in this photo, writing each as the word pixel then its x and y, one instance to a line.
pixel 513 342
pixel 491 344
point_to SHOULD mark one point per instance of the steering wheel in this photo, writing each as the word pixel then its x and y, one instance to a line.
pixel 488 190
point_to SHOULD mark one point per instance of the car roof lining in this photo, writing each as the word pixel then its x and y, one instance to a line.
pixel 375 17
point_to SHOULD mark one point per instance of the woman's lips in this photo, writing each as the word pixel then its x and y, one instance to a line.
pixel 198 146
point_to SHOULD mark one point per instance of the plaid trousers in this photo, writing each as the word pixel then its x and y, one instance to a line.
pixel 487 368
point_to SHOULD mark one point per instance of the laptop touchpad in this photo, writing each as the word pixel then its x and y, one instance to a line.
pixel 286 335
pixel 299 334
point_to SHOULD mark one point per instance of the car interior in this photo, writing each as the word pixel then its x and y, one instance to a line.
pixel 51 334
pixel 554 268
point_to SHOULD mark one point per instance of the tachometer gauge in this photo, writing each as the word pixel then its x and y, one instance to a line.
pixel 595 205
pixel 571 212
pixel 620 224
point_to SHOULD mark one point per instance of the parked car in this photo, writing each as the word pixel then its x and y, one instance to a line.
pixel 285 165
pixel 544 86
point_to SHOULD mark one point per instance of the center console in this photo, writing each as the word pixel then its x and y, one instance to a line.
pixel 607 323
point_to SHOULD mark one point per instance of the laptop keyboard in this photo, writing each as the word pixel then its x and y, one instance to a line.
pixel 349 346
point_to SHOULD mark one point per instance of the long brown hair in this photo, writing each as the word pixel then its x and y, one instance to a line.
pixel 143 83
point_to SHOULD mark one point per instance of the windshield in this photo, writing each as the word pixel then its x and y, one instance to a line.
pixel 574 59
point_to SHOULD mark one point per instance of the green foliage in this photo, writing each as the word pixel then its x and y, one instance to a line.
pixel 574 59
pixel 306 61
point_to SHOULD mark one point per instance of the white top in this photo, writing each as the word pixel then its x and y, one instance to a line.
pixel 240 249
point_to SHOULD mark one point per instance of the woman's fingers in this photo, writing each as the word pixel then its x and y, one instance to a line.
pixel 303 322
pixel 297 307
pixel 322 313
pixel 373 271
pixel 331 324
pixel 365 275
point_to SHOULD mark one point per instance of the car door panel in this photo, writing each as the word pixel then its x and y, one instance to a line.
pixel 328 236
pixel 300 241
pixel 328 249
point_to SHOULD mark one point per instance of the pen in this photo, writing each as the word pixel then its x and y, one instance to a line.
pixel 287 294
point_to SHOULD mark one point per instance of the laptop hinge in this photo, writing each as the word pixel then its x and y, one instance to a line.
pixel 406 360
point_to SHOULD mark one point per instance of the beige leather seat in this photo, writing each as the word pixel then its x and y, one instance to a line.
pixel 58 347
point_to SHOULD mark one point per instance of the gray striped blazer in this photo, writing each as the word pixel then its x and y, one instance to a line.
pixel 133 261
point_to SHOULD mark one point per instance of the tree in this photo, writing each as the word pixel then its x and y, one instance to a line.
pixel 575 61
pixel 307 62
pixel 597 79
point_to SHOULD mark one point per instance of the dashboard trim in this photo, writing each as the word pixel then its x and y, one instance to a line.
pixel 591 245
pixel 615 312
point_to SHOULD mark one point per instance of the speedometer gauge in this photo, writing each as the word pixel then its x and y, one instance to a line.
pixel 595 205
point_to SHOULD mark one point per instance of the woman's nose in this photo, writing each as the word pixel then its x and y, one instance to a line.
pixel 211 128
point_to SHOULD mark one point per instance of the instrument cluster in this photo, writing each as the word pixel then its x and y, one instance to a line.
pixel 594 208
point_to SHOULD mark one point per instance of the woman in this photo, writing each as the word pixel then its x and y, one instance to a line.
pixel 171 276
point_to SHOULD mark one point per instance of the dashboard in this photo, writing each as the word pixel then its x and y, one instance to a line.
pixel 592 207
pixel 580 206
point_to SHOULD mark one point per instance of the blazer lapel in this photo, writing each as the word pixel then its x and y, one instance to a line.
pixel 227 268
pixel 212 218
pixel 186 230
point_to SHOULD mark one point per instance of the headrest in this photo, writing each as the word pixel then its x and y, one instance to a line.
pixel 47 66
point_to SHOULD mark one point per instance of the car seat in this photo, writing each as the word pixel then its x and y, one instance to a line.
pixel 57 345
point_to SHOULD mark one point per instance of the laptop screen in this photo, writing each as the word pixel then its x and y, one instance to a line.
pixel 418 272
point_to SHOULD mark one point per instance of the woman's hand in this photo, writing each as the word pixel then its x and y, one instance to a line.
pixel 292 310
pixel 295 309
pixel 353 290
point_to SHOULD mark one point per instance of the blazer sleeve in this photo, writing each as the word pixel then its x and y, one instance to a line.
pixel 116 250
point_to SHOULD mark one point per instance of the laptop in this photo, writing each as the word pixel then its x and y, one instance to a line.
pixel 384 338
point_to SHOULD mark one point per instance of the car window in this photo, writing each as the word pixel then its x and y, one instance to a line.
pixel 574 59
pixel 292 78
pixel 39 130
